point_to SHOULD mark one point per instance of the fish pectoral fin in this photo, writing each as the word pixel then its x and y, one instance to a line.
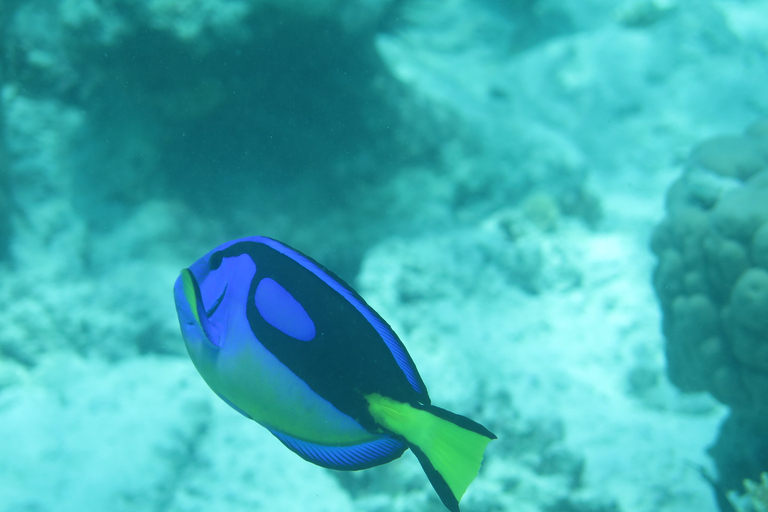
pixel 449 447
pixel 195 299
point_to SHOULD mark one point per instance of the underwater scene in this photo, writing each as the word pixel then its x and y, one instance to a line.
pixel 384 255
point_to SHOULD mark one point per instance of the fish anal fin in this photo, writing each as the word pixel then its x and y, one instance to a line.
pixel 366 455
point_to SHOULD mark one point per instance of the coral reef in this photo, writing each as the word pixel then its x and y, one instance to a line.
pixel 197 100
pixel 712 278
pixel 755 499
pixel 712 283
pixel 227 118
pixel 130 131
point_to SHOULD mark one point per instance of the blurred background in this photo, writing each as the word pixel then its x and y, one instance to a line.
pixel 561 207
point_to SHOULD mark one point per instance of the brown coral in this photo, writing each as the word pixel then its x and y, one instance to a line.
pixel 712 276
pixel 712 283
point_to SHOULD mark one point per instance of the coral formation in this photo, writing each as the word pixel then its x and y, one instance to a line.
pixel 643 13
pixel 118 116
pixel 712 282
pixel 755 499
pixel 712 278
pixel 197 99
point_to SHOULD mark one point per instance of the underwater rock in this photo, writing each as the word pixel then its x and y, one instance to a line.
pixel 734 156
pixel 712 283
pixel 533 261
pixel 288 103
pixel 745 319
pixel 140 435
pixel 644 13
pixel 755 499
pixel 741 449
pixel 707 247
pixel 759 252
pixel 85 444
pixel 39 137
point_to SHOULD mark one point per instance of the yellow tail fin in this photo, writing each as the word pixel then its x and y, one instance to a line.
pixel 450 447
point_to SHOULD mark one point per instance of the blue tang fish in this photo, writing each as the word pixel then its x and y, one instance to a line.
pixel 288 344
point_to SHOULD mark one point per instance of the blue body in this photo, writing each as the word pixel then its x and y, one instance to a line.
pixel 288 344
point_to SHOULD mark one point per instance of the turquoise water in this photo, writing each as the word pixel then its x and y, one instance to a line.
pixel 558 206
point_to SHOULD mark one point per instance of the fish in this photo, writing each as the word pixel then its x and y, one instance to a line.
pixel 288 344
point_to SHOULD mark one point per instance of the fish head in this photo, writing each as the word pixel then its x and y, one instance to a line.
pixel 210 302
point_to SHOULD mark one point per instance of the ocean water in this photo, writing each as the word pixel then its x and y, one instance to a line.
pixel 560 207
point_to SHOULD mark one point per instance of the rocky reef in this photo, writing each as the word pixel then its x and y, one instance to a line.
pixel 712 283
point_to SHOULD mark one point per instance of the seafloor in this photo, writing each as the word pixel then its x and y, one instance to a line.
pixel 487 173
